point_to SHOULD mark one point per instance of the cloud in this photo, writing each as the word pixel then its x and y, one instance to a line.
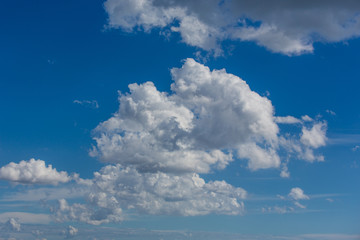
pixel 13 225
pixel 298 194
pixel 277 209
pixel 87 103
pixel 115 188
pixel 32 172
pixel 287 120
pixel 70 231
pixel 287 27
pixel 210 118
pixel 315 136
pixel 356 148
pixel 331 112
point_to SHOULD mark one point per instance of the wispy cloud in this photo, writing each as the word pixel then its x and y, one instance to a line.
pixel 87 103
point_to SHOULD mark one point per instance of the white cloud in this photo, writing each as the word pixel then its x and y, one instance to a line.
pixel 287 120
pixel 32 172
pixel 277 209
pixel 315 136
pixel 115 188
pixel 87 103
pixel 298 194
pixel 13 225
pixel 331 112
pixel 70 231
pixel 288 27
pixel 306 118
pixel 299 205
pixel 209 118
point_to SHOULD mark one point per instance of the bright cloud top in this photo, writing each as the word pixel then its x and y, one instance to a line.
pixel 32 172
pixel 288 27
pixel 298 194
pixel 210 118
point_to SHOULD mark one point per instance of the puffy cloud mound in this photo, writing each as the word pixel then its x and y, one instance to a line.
pixel 298 194
pixel 210 117
pixel 288 27
pixel 13 225
pixel 32 172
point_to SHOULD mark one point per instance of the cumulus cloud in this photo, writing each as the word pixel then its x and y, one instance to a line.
pixel 288 27
pixel 70 231
pixel 315 136
pixel 209 118
pixel 298 194
pixel 115 188
pixel 32 172
pixel 13 225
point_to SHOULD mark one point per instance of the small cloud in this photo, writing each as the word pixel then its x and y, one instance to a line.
pixel 330 200
pixel 287 120
pixel 298 194
pixel 306 118
pixel 13 225
pixel 70 231
pixel 277 209
pixel 299 205
pixel 87 103
pixel 331 112
pixel 51 62
pixel 32 172
pixel 356 148
pixel 281 197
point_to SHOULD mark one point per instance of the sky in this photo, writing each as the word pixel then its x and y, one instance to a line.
pixel 154 119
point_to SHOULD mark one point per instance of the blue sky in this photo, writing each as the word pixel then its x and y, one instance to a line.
pixel 268 148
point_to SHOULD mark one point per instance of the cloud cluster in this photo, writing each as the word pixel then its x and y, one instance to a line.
pixel 32 172
pixel 159 143
pixel 115 188
pixel 288 27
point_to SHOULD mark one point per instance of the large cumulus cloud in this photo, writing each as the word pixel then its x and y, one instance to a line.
pixel 288 27
pixel 209 118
